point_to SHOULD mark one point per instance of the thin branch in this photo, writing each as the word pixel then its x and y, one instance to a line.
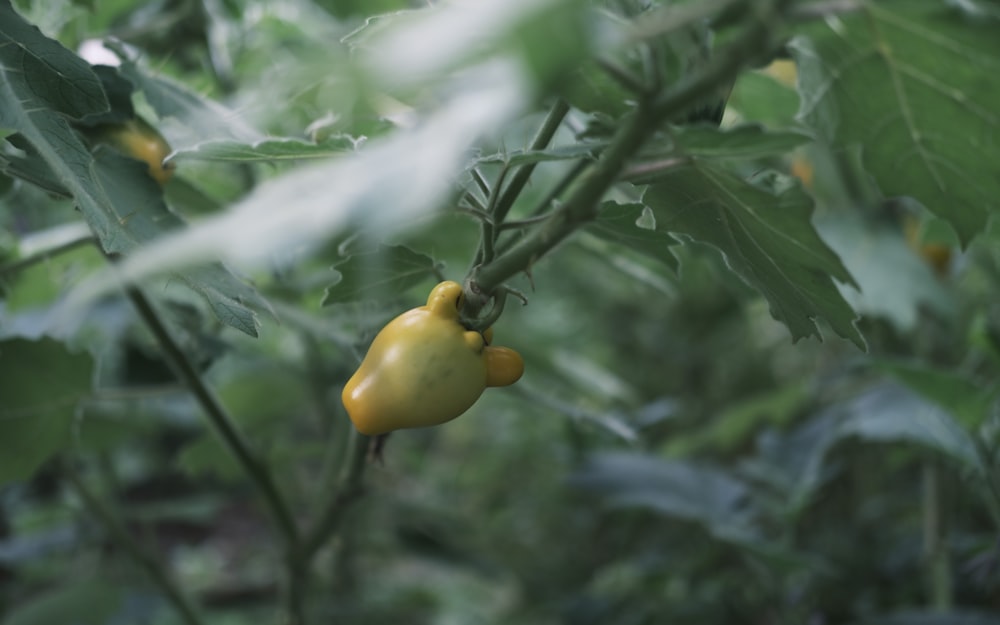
pixel 185 609
pixel 21 264
pixel 541 140
pixel 217 415
pixel 488 236
pixel 349 490
pixel 481 182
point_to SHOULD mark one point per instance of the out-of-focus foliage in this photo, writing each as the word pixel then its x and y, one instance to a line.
pixel 683 448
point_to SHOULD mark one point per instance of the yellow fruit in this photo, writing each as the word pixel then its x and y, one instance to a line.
pixel 424 368
pixel 142 142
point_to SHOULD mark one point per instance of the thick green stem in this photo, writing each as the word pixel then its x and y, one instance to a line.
pixel 219 418
pixel 578 209
pixel 349 490
pixel 157 572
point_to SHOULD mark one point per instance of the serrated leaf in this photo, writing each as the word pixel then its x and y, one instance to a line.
pixel 122 204
pixel 116 196
pixel 620 223
pixel 41 384
pixel 746 141
pixel 912 82
pixel 766 238
pixel 267 150
pixel 388 270
pixel 46 71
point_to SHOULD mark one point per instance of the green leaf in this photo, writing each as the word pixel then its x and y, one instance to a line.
pixel 199 119
pixel 894 283
pixel 570 152
pixel 44 72
pixel 267 150
pixel 891 413
pixel 82 602
pixel 906 81
pixel 967 401
pixel 620 223
pixel 389 270
pixel 672 488
pixel 765 238
pixel 119 200
pixel 40 383
pixel 139 215
pixel 759 97
pixel 746 141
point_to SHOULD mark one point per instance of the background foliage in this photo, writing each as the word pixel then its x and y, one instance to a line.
pixel 762 356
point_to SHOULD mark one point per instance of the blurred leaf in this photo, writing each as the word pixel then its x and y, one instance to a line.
pixel 963 617
pixel 40 383
pixel 387 271
pixel 893 282
pixel 199 119
pixel 619 223
pixel 206 457
pixel 741 420
pixel 967 401
pixel 765 238
pixel 748 141
pixel 84 602
pixel 559 153
pixel 672 488
pixel 267 150
pixel 891 413
pixel 926 110
pixel 758 97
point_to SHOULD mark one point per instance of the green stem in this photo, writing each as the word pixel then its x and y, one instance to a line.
pixel 185 609
pixel 349 490
pixel 21 264
pixel 219 418
pixel 540 141
pixel 578 209
pixel 938 571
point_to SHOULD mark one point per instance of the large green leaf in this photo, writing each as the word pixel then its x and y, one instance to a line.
pixel 122 204
pixel 913 83
pixel 44 71
pixel 766 238
pixel 40 386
